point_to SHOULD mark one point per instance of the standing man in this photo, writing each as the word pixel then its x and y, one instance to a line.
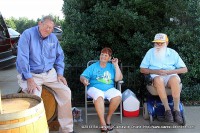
pixel 164 64
pixel 40 60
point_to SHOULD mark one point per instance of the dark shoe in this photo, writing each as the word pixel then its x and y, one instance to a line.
pixel 110 127
pixel 178 117
pixel 104 129
pixel 169 116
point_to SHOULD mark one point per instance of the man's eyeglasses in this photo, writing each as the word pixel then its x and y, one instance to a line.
pixel 47 27
pixel 159 43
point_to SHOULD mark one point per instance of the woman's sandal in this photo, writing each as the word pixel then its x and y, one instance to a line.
pixel 110 127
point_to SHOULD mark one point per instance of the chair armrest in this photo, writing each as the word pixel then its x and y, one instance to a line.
pixel 119 84
pixel 148 79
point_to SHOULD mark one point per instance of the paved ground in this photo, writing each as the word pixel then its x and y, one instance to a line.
pixel 8 85
pixel 8 80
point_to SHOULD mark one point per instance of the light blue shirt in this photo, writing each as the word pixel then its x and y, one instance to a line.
pixel 37 54
pixel 171 61
pixel 100 78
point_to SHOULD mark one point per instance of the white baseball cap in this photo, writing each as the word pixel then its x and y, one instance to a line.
pixel 160 37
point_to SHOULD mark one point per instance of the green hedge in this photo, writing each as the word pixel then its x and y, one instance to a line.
pixel 190 95
pixel 128 27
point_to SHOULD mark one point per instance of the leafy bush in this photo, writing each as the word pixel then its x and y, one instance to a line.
pixel 128 27
pixel 190 95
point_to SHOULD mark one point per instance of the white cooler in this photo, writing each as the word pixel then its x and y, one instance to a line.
pixel 131 105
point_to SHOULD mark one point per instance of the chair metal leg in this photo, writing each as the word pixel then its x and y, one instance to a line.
pixel 121 112
pixel 86 112
pixel 86 109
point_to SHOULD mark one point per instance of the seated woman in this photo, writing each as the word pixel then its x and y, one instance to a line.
pixel 100 78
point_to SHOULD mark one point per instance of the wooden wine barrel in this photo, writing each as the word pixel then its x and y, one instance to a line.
pixel 23 113
pixel 50 103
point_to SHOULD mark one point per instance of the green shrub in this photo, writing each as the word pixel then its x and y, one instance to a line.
pixel 128 27
pixel 190 95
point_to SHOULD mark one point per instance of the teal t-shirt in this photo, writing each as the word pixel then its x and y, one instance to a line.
pixel 100 78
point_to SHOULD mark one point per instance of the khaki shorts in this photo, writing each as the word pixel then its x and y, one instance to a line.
pixel 165 78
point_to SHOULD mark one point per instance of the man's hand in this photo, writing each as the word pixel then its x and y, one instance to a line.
pixel 163 72
pixel 32 86
pixel 62 79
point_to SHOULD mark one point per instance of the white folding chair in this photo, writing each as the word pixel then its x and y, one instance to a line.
pixel 89 101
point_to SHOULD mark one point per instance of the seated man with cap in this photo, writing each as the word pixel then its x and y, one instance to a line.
pixel 164 64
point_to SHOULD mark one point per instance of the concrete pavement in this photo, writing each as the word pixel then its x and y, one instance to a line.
pixel 8 85
pixel 139 125
pixel 8 80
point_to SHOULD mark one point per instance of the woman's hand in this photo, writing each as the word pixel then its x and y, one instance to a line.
pixel 86 82
pixel 114 61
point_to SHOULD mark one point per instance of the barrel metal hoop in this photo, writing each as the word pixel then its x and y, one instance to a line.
pixel 20 124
